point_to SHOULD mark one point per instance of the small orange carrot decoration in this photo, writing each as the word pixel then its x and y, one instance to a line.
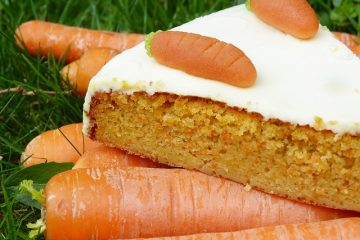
pixel 82 70
pixel 65 144
pixel 295 17
pixel 356 50
pixel 348 39
pixel 202 57
pixel 151 202
pixel 345 229
pixel 109 157
pixel 45 38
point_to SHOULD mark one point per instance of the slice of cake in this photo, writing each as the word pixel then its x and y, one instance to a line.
pixel 294 133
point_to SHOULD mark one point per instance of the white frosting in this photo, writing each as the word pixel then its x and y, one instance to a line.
pixel 312 82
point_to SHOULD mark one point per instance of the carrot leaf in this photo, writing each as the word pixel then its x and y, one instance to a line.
pixel 27 186
pixel 37 228
pixel 247 4
pixel 40 173
pixel 26 198
pixel 148 40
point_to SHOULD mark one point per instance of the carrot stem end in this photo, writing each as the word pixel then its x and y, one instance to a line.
pixel 148 40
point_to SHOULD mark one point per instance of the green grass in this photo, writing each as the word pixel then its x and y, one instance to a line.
pixel 24 117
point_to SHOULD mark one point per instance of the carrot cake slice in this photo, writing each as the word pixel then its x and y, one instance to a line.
pixel 294 133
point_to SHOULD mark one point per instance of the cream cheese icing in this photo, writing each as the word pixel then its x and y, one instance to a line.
pixel 312 82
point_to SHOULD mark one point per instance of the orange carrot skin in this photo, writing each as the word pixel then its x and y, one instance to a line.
pixel 152 202
pixel 88 66
pixel 109 157
pixel 70 71
pixel 44 37
pixel 356 50
pixel 348 39
pixel 52 146
pixel 295 17
pixel 203 57
pixel 345 229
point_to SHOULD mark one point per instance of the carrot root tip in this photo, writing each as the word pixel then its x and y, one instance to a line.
pixel 148 40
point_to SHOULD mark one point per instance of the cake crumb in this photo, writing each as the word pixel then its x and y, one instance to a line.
pixel 319 123
pixel 332 123
pixel 247 187
pixel 345 191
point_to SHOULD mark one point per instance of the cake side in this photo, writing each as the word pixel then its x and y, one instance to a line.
pixel 294 161
pixel 297 81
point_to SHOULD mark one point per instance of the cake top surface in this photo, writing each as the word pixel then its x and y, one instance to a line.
pixel 312 82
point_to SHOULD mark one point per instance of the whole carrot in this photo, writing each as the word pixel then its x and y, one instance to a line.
pixel 348 39
pixel 295 17
pixel 344 229
pixel 109 157
pixel 65 144
pixel 61 40
pixel 82 70
pixel 149 202
pixel 202 56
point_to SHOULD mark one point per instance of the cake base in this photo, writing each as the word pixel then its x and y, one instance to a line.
pixel 297 162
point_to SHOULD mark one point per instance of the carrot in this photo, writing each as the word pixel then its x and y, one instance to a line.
pixel 70 72
pixel 149 202
pixel 61 40
pixel 356 50
pixel 345 229
pixel 295 17
pixel 351 41
pixel 82 70
pixel 109 157
pixel 348 39
pixel 202 57
pixel 65 144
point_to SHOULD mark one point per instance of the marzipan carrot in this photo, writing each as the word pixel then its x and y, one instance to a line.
pixel 65 144
pixel 356 50
pixel 202 57
pixel 348 39
pixel 344 229
pixel 109 157
pixel 61 40
pixel 295 17
pixel 82 70
pixel 151 202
